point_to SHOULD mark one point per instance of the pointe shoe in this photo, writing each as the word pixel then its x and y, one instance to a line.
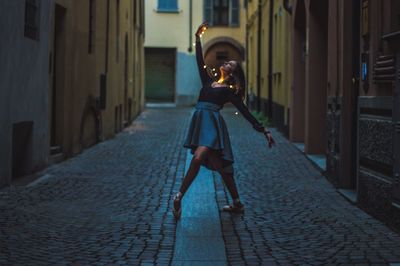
pixel 177 209
pixel 236 207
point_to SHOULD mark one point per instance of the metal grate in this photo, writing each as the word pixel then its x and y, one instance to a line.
pixel 397 127
pixel 385 69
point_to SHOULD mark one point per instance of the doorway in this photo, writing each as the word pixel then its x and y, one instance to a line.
pixel 316 79
pixel 299 67
pixel 160 74
pixel 58 78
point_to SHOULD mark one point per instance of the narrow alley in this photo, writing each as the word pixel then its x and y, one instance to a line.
pixel 111 205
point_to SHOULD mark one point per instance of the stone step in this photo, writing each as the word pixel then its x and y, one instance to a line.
pixel 55 150
pixel 56 158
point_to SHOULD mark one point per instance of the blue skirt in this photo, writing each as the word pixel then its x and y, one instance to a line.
pixel 208 128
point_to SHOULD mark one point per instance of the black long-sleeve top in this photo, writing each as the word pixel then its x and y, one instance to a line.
pixel 223 94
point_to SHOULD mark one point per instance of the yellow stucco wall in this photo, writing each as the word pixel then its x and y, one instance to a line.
pixel 237 33
pixel 281 51
pixel 281 56
pixel 171 30
pixel 81 71
pixel 252 21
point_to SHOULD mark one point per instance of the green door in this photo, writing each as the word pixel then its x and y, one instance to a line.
pixel 160 74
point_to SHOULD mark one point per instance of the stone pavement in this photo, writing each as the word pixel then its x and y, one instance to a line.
pixel 293 214
pixel 111 205
pixel 198 235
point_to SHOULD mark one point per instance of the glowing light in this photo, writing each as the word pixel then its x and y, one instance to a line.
pixel 204 66
pixel 215 74
pixel 194 44
pixel 213 69
pixel 231 86
pixel 236 113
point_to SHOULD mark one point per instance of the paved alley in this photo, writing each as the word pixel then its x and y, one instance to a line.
pixel 111 205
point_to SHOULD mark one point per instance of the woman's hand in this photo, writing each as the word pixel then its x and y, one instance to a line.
pixel 202 28
pixel 269 137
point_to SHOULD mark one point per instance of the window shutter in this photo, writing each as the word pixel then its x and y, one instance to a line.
pixel 208 11
pixel 234 13
pixel 167 5
pixel 173 4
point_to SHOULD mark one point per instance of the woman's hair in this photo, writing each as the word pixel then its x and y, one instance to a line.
pixel 238 81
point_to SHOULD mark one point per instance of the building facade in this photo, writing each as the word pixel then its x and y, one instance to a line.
pixel 170 55
pixel 334 67
pixel 345 97
pixel 269 60
pixel 84 84
pixel 96 79
pixel 24 87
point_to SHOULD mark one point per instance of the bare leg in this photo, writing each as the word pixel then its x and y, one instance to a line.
pixel 198 157
pixel 231 185
pixel 226 177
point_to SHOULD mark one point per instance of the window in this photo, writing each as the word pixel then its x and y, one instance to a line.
pixel 234 21
pixel 395 25
pixel 32 19
pixel 222 12
pixel 167 6
pixel 222 55
pixel 92 23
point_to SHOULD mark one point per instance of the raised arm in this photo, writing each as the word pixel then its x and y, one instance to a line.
pixel 205 78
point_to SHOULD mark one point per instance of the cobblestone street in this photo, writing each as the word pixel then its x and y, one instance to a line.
pixel 111 205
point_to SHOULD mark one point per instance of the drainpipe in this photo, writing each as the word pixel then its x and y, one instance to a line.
pixel 190 49
pixel 247 54
pixel 270 54
pixel 259 56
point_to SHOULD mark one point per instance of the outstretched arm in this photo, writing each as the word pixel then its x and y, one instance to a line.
pixel 238 103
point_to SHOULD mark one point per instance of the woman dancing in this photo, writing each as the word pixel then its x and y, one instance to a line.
pixel 208 136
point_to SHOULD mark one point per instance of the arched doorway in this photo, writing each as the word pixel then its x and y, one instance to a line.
pixel 222 49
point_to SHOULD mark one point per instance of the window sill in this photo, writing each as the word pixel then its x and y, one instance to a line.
pixel 391 36
pixel 225 26
pixel 172 11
